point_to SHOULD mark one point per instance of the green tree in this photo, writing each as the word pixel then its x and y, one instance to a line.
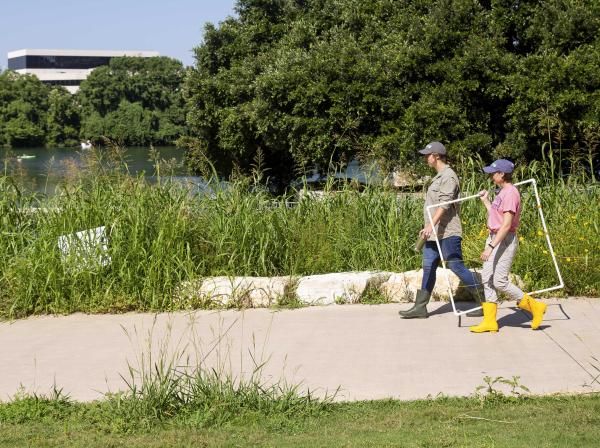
pixel 553 94
pixel 134 100
pixel 62 119
pixel 313 81
pixel 23 106
pixel 131 123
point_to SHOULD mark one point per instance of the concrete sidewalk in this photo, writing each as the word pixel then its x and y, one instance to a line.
pixel 367 351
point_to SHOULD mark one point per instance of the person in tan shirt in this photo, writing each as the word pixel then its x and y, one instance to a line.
pixel 444 187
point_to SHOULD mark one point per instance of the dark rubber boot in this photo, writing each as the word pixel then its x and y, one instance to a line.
pixel 419 309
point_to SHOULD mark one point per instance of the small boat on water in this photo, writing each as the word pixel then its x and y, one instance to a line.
pixel 86 145
pixel 25 156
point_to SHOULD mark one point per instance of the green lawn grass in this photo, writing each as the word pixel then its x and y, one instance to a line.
pixel 569 421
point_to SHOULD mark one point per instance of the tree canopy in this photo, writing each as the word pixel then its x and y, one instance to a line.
pixel 136 101
pixel 28 110
pixel 314 81
pixel 294 83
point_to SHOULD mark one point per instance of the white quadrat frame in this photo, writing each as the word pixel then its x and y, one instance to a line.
pixel 539 207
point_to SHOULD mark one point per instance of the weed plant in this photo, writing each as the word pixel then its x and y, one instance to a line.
pixel 168 383
pixel 160 235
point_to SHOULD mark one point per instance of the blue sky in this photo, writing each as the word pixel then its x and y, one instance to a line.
pixel 171 27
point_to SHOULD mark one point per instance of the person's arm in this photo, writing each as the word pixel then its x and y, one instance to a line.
pixel 507 219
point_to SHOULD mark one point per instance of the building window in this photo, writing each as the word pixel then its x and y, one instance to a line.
pixel 63 82
pixel 57 62
pixel 17 63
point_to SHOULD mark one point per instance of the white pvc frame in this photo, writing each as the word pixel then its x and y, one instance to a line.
pixel 437 242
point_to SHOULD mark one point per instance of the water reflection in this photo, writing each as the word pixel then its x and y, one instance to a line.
pixel 41 170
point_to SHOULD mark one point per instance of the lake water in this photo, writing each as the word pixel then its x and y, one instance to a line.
pixel 42 169
pixel 50 167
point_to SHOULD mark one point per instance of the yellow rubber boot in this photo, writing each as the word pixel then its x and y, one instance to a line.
pixel 536 308
pixel 489 319
pixel 524 303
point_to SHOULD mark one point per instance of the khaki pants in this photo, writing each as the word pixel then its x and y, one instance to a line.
pixel 494 275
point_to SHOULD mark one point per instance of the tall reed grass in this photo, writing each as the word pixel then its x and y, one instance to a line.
pixel 160 235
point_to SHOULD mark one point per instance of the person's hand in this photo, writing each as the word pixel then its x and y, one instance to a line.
pixel 483 195
pixel 426 232
pixel 486 253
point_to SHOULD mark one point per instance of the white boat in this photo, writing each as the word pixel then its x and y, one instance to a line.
pixel 25 156
pixel 86 145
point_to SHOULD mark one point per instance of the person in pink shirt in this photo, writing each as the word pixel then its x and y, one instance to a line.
pixel 504 215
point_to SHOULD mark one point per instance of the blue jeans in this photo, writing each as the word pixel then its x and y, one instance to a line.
pixel 451 248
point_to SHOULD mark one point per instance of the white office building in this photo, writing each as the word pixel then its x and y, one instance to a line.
pixel 65 67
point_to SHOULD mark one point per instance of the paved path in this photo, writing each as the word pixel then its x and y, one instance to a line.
pixel 368 351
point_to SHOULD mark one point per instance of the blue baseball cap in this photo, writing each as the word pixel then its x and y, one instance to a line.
pixel 500 166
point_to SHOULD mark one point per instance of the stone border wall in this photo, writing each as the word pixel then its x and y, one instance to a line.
pixel 324 289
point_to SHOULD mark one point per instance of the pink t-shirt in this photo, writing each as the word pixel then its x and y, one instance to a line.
pixel 508 200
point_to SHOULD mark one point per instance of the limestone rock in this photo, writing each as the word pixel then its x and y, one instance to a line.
pixel 342 287
pixel 236 291
pixel 325 289
pixel 402 287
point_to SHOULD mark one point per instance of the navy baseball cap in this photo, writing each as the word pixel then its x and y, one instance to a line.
pixel 500 166
pixel 433 148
